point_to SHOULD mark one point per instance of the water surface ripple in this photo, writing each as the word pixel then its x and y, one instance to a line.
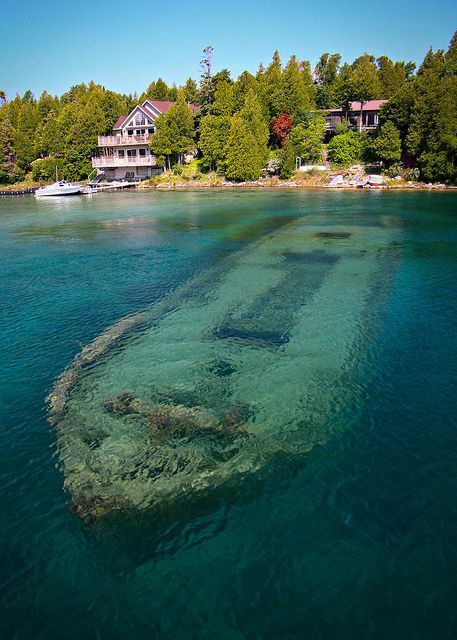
pixel 354 538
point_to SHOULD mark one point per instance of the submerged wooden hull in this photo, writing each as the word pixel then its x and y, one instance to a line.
pixel 255 358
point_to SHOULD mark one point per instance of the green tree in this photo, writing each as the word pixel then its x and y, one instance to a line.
pixel 175 132
pixel 214 132
pixel 392 75
pixel 45 170
pixel 224 99
pixel 245 83
pixel 432 133
pixel 386 146
pixel 82 138
pixel 308 141
pixel 361 82
pixel 24 134
pixel 190 89
pixel 9 171
pixel 51 136
pixel 254 116
pixel 160 91
pixel 271 88
pixel 296 92
pixel 287 159
pixel 247 150
pixel 326 73
pixel 244 160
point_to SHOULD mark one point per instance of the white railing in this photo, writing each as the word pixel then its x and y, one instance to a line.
pixel 113 141
pixel 112 161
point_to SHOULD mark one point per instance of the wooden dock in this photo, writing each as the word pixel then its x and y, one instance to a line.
pixel 17 192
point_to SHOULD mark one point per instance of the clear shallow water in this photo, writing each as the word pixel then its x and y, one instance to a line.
pixel 354 539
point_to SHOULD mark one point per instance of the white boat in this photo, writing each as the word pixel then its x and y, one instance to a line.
pixel 88 190
pixel 60 188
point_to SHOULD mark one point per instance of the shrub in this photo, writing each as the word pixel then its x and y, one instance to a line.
pixel 347 148
pixel 45 170
pixel 395 169
pixel 412 174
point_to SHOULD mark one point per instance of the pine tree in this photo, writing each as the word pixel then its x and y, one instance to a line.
pixel 24 134
pixel 244 159
pixel 360 82
pixel 82 139
pixel 288 159
pixel 8 169
pixel 254 116
pixel 214 132
pixel 326 75
pixel 308 141
pixel 175 132
pixel 386 146
pixel 272 88
pixel 224 99
pixel 247 153
pixel 297 94
pixel 432 133
pixel 190 91
pixel 52 139
pixel 245 83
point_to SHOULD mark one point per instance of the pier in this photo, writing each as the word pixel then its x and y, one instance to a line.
pixel 17 192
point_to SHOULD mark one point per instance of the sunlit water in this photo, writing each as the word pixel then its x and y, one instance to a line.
pixel 313 333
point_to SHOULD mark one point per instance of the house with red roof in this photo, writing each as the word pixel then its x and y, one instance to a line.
pixel 126 153
pixel 370 116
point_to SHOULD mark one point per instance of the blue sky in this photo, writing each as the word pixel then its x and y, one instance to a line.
pixel 52 45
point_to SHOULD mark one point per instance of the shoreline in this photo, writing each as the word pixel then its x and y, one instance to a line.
pixel 191 185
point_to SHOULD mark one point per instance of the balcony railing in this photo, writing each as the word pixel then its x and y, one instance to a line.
pixel 112 161
pixel 115 141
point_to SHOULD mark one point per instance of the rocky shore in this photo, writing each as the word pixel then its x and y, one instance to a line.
pixel 290 184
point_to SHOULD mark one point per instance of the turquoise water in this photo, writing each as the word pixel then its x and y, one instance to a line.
pixel 327 320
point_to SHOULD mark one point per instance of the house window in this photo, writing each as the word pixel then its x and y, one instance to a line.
pixel 150 131
pixel 130 132
pixel 120 153
pixel 131 153
pixel 142 152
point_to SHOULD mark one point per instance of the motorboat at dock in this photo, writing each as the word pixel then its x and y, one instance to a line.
pixel 59 188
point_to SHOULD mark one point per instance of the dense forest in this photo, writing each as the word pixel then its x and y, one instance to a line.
pixel 254 124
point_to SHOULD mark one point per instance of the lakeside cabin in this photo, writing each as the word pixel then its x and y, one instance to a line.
pixel 370 116
pixel 126 155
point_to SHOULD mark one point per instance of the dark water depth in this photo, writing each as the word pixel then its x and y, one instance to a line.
pixel 356 539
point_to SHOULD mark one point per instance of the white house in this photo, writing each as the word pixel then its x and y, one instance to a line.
pixel 126 154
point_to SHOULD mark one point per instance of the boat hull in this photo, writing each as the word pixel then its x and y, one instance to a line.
pixel 254 359
pixel 57 191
